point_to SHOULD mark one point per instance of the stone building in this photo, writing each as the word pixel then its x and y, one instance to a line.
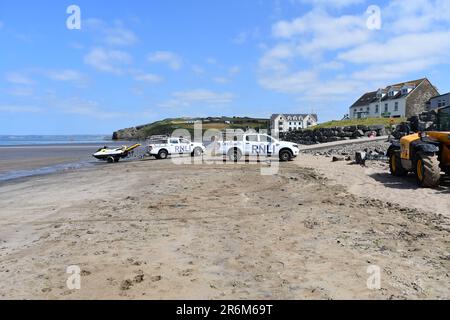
pixel 395 101
pixel 290 122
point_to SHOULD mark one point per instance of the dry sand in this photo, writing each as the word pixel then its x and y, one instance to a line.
pixel 154 230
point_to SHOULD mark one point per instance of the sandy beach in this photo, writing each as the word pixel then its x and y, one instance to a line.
pixel 155 230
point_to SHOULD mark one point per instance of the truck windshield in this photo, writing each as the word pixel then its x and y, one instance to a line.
pixel 444 119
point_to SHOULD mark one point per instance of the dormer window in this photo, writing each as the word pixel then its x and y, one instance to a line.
pixel 407 89
pixel 380 94
pixel 392 93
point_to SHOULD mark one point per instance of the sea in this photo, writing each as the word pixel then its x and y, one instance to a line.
pixel 30 140
pixel 31 155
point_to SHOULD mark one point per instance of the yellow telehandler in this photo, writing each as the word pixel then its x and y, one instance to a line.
pixel 426 153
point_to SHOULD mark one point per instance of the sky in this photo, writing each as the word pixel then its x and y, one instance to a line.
pixel 134 62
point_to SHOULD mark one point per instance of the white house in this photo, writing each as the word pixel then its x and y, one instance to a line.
pixel 395 101
pixel 290 122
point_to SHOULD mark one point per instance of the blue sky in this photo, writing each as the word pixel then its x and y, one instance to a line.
pixel 135 62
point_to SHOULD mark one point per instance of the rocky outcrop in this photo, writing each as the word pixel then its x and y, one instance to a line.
pixel 322 135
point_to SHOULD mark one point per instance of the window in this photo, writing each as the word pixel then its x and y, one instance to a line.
pixel 377 108
pixel 265 138
pixel 386 107
pixel 174 141
pixel 280 123
pixel 444 120
pixel 185 141
pixel 368 109
pixel 396 106
pixel 290 123
pixel 252 138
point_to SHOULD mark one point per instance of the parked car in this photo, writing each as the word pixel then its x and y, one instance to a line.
pixel 163 147
pixel 254 144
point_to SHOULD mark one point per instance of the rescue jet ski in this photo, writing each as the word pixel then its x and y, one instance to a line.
pixel 114 155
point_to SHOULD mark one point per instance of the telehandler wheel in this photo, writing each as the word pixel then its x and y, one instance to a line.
pixel 395 165
pixel 428 172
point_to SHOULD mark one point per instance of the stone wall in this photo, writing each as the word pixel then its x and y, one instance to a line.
pixel 323 135
pixel 417 100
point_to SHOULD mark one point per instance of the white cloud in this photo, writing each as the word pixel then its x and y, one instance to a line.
pixel 234 70
pixel 198 70
pixel 415 15
pixel 19 109
pixel 115 34
pixel 21 92
pixel 298 82
pixel 220 80
pixel 211 60
pixel 106 60
pixel 400 48
pixel 244 36
pixel 198 96
pixel 67 75
pixel 317 32
pixel 171 59
pixel 148 77
pixel 332 3
pixel 88 108
pixel 19 78
pixel 321 57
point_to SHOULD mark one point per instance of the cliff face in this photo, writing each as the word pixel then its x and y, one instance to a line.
pixel 167 126
pixel 126 134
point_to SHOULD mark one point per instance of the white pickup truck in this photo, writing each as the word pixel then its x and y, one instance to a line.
pixel 162 148
pixel 254 144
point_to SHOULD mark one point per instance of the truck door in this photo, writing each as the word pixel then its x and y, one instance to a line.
pixel 174 145
pixel 252 145
pixel 185 146
pixel 267 143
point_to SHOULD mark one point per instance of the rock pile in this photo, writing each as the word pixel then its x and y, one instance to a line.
pixel 422 122
pixel 374 150
pixel 322 135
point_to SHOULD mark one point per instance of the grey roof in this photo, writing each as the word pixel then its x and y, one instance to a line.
pixel 302 115
pixel 440 96
pixel 370 97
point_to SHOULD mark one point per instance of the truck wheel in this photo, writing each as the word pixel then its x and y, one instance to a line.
pixel 395 165
pixel 285 155
pixel 162 154
pixel 428 172
pixel 235 155
pixel 197 152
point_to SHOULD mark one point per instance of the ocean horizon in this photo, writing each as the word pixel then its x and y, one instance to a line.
pixel 24 140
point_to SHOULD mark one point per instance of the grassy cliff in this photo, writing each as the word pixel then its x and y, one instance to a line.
pixel 167 126
pixel 362 122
